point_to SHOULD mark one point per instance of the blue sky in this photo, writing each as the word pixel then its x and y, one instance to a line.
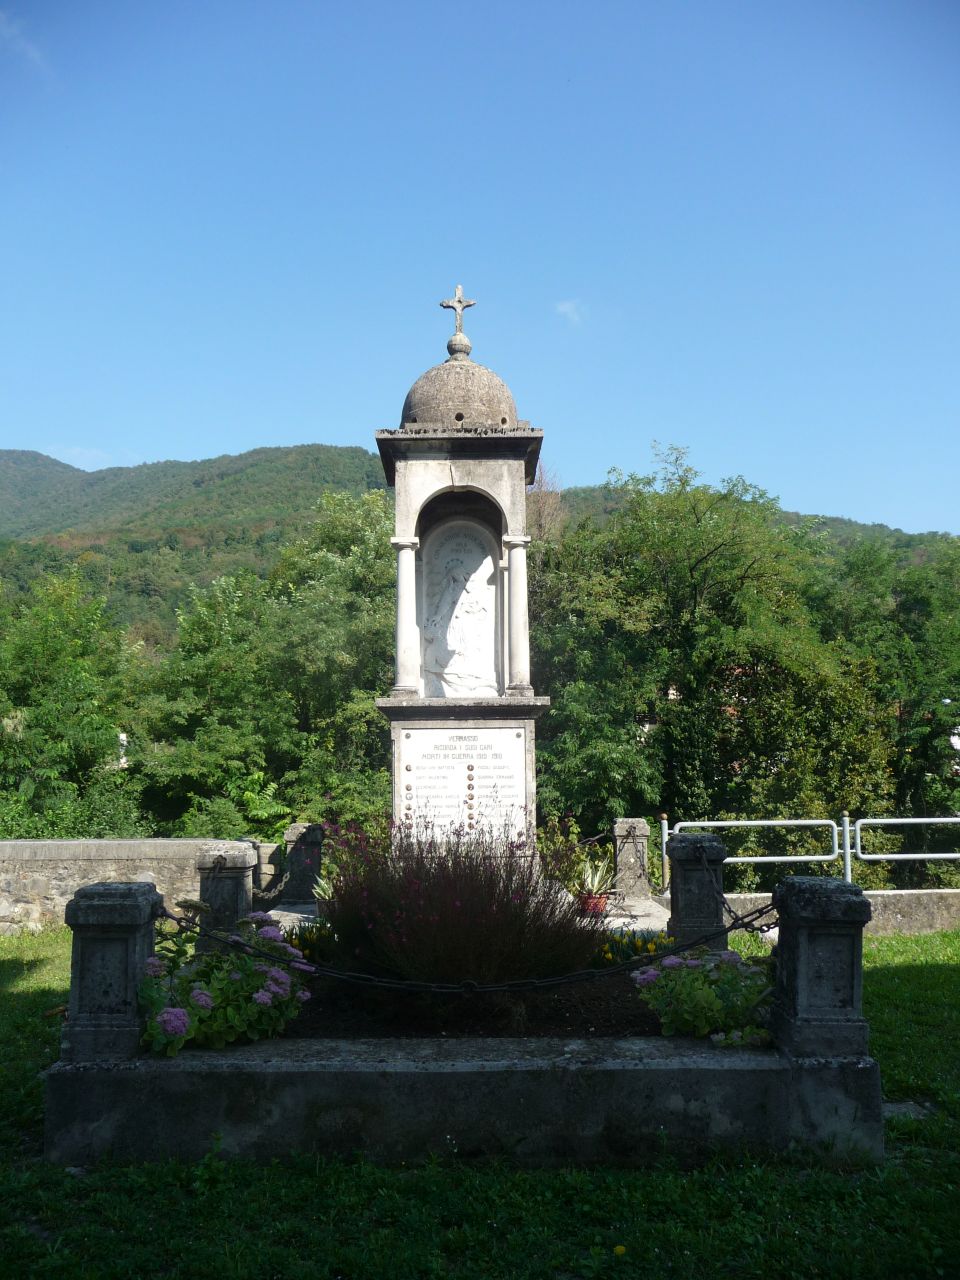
pixel 728 226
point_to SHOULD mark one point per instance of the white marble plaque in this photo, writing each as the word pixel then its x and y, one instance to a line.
pixel 470 777
pixel 459 612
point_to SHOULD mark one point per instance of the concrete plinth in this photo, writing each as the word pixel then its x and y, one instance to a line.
pixel 533 1103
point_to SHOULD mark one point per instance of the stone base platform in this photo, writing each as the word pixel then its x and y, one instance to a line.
pixel 534 1103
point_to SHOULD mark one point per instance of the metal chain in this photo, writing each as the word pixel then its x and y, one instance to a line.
pixel 272 894
pixel 735 920
pixel 748 921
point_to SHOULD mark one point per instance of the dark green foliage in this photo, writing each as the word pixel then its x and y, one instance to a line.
pixel 40 496
pixel 143 536
pixel 703 653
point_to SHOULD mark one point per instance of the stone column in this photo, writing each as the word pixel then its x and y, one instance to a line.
pixel 696 888
pixel 817 1004
pixel 630 837
pixel 226 885
pixel 408 638
pixel 113 937
pixel 304 841
pixel 519 625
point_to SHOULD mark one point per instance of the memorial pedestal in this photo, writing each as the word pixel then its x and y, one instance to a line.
pixel 466 764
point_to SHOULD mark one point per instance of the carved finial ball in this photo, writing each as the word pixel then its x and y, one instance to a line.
pixel 459 346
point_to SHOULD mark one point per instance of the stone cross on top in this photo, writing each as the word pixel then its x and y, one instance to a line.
pixel 458 303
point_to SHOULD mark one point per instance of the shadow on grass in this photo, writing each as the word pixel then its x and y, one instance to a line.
pixel 914 1016
pixel 32 994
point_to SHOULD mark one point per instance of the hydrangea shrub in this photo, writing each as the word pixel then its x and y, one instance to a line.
pixel 703 993
pixel 210 999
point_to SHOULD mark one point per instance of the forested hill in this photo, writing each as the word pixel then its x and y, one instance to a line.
pixel 40 496
pixel 144 536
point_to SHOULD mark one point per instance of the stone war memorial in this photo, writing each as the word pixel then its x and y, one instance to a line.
pixel 462 714
pixel 462 711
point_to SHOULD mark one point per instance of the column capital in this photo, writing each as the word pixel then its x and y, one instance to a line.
pixel 403 543
pixel 516 540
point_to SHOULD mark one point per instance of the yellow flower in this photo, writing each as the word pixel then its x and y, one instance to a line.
pixel 651 947
pixel 619 1250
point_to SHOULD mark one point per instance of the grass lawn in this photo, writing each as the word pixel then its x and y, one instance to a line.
pixel 306 1217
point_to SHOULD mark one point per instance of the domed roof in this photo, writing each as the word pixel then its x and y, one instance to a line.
pixel 459 393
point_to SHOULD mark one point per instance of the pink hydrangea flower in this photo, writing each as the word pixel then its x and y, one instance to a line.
pixel 202 999
pixel 173 1021
pixel 262 997
pixel 673 962
pixel 694 964
pixel 260 917
pixel 645 977
pixel 155 967
pixel 271 933
pixel 303 996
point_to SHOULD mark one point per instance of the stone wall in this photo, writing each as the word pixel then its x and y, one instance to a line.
pixel 39 877
pixel 894 910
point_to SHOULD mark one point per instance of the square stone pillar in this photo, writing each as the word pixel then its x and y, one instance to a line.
pixel 304 841
pixel 817 1004
pixel 113 937
pixel 631 837
pixel 226 885
pixel 696 888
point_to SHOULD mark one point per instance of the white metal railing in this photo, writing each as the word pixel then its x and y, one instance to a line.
pixel 858 826
pixel 842 846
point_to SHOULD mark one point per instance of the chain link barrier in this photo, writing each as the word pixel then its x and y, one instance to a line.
pixel 273 893
pixel 750 922
pixel 727 909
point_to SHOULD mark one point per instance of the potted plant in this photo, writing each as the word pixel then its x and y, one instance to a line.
pixel 596 881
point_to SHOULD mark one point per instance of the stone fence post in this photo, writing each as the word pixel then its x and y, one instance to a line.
pixel 226 886
pixel 817 1002
pixel 696 888
pixel 630 839
pixel 304 841
pixel 113 937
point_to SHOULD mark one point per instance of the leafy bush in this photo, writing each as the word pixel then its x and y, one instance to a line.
pixel 562 858
pixel 709 993
pixel 460 908
pixel 215 997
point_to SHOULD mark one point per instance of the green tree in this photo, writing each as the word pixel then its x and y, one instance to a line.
pixel 686 668
pixel 67 682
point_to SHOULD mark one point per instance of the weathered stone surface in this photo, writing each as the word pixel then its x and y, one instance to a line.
pixel 226 886
pixel 304 841
pixel 893 910
pixel 113 936
pixel 535 1103
pixel 819 899
pixel 631 840
pixel 817 1003
pixel 38 877
pixel 696 888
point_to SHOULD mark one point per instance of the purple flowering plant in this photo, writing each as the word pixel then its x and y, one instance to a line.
pixel 704 993
pixel 212 998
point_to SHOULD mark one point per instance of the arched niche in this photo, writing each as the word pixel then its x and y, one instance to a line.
pixel 460 597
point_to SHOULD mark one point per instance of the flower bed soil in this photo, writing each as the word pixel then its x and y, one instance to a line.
pixel 607 1006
